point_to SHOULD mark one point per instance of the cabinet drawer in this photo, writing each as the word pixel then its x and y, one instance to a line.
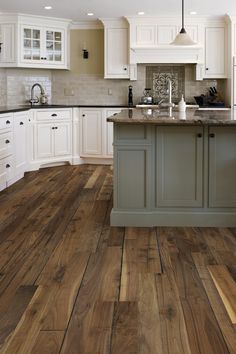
pixel 6 169
pixel 6 144
pixel 6 121
pixel 53 114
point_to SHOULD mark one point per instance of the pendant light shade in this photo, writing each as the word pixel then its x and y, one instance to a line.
pixel 182 37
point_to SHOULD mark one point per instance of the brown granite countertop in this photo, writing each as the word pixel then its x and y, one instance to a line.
pixel 190 117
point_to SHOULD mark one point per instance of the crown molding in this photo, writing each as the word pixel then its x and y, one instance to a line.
pixel 86 25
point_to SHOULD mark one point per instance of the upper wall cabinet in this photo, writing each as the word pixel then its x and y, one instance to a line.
pixel 7 40
pixel 116 47
pixel 38 42
pixel 215 52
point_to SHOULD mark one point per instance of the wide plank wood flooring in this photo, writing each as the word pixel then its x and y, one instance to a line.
pixel 71 284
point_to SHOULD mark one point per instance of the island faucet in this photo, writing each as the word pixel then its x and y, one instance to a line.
pixel 32 99
pixel 168 104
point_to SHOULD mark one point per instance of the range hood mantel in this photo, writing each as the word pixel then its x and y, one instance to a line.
pixel 166 54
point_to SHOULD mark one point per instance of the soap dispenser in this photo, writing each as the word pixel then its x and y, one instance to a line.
pixel 182 105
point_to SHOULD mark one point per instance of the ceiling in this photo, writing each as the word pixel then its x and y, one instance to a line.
pixel 77 9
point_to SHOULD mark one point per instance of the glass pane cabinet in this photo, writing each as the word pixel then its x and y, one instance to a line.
pixel 43 45
pixel 32 44
pixel 54 45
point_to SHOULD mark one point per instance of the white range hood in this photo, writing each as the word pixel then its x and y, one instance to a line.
pixel 150 39
pixel 166 54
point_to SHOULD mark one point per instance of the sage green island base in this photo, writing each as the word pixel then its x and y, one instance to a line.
pixel 174 171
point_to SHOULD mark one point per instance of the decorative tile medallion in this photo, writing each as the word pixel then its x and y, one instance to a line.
pixel 157 78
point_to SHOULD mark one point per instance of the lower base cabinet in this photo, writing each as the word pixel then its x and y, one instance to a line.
pixel 222 167
pixel 179 166
pixel 175 170
pixel 96 134
pixel 20 142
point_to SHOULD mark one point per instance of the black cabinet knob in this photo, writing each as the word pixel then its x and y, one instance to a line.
pixel 199 135
pixel 8 122
pixel 212 135
pixel 8 166
pixel 53 128
pixel 41 58
pixel 7 141
pixel 21 123
pixel 54 115
pixel 83 115
pixel 125 69
pixel 207 69
pixel 56 127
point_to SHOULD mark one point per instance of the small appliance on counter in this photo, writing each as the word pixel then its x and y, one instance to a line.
pixel 147 97
pixel 212 100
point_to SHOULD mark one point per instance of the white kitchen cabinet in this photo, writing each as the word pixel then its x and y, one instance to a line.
pixel 44 147
pixel 7 40
pixel 109 131
pixel 215 52
pixel 91 124
pixel 116 49
pixel 116 52
pixel 20 142
pixel 34 42
pixel 53 134
pixel 42 45
pixel 62 139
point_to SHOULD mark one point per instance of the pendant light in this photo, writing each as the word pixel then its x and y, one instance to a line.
pixel 182 37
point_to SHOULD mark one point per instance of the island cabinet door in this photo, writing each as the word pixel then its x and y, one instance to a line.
pixel 222 167
pixel 131 178
pixel 179 166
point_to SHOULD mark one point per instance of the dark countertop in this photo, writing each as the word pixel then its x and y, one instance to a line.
pixel 9 109
pixel 190 117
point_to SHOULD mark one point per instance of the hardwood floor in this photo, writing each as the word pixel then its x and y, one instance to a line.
pixel 71 284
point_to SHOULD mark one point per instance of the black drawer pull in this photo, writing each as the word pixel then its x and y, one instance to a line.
pixel 56 127
pixel 7 141
pixel 207 68
pixel 53 128
pixel 8 122
pixel 83 115
pixel 212 135
pixel 199 135
pixel 8 166
pixel 21 123
pixel 54 115
pixel 125 69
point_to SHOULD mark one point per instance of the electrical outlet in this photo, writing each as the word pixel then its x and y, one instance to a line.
pixel 69 92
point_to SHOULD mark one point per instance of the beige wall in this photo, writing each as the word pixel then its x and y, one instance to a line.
pixel 94 42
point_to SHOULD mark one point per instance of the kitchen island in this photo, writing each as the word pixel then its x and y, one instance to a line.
pixel 174 171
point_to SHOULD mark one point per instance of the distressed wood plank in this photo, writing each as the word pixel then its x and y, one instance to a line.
pixel 226 287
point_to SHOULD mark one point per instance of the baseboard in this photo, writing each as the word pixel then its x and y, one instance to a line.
pixel 173 219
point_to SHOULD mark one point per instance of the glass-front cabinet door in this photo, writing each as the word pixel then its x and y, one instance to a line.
pixel 54 46
pixel 43 46
pixel 32 44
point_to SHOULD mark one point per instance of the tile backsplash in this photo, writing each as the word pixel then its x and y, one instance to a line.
pixel 66 87
pixel 157 79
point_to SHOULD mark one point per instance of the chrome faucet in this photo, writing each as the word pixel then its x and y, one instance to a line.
pixel 168 104
pixel 36 100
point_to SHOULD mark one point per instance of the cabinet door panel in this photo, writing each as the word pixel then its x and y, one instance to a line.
pixel 109 131
pixel 7 34
pixel 222 167
pixel 62 139
pixel 91 132
pixel 179 166
pixel 166 34
pixel 44 141
pixel 215 52
pixel 20 143
pixel 145 35
pixel 31 44
pixel 131 178
pixel 117 53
